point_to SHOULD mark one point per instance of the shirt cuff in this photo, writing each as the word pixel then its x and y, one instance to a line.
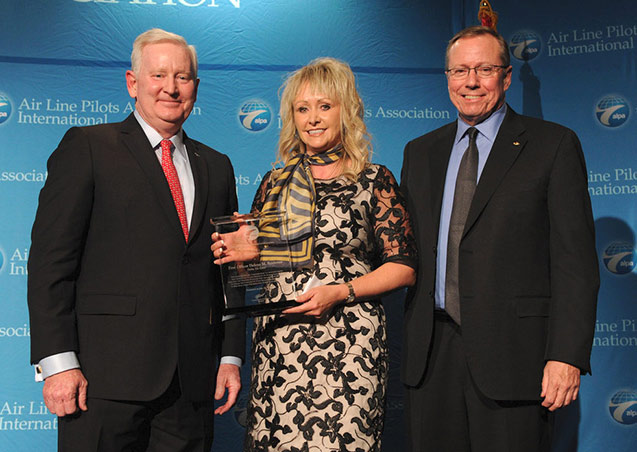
pixel 55 364
pixel 231 360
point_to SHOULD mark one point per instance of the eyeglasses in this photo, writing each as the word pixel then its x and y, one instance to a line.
pixel 484 71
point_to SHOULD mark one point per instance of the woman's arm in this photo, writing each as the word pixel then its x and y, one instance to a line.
pixel 389 276
pixel 395 242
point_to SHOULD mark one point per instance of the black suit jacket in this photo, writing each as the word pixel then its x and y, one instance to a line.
pixel 528 267
pixel 110 274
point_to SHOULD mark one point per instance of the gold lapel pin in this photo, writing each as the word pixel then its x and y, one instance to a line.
pixel 516 143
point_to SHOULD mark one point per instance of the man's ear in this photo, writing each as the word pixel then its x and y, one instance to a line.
pixel 131 84
pixel 507 77
pixel 196 88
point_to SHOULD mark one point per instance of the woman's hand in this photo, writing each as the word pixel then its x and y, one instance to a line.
pixel 319 300
pixel 237 246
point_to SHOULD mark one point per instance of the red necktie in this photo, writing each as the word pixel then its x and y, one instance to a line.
pixel 173 182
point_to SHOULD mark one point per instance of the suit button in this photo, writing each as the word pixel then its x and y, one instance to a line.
pixel 185 260
pixel 434 249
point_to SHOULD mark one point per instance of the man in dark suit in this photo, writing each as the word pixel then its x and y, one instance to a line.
pixel 500 324
pixel 125 305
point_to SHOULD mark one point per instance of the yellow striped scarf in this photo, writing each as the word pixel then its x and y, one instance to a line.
pixel 293 194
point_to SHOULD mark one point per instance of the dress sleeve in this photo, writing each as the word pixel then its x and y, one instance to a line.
pixel 262 191
pixel 392 227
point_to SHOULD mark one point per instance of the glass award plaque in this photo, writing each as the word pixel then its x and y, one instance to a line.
pixel 261 259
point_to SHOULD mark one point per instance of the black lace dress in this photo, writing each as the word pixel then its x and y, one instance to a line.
pixel 319 385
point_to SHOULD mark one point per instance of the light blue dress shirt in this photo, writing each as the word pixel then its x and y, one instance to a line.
pixel 488 130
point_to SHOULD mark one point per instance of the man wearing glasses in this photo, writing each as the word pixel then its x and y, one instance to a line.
pixel 500 325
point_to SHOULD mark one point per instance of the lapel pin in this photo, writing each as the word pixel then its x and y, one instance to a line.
pixel 516 143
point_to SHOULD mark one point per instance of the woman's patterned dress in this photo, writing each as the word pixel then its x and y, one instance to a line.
pixel 319 385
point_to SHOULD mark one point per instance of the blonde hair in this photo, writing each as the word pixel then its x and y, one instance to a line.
pixel 335 79
pixel 157 35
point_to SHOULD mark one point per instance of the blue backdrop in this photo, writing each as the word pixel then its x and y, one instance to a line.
pixel 62 64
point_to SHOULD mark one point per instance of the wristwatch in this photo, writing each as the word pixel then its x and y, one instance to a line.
pixel 352 295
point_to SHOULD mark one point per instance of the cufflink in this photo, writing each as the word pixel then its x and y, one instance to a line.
pixel 38 373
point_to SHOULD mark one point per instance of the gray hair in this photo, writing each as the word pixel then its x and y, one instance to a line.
pixel 479 30
pixel 157 35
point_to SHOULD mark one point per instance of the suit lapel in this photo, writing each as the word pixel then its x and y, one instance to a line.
pixel 136 142
pixel 200 176
pixel 506 148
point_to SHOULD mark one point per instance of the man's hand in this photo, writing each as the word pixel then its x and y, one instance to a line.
pixel 560 384
pixel 64 392
pixel 227 377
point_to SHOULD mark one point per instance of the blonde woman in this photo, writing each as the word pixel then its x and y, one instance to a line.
pixel 319 371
